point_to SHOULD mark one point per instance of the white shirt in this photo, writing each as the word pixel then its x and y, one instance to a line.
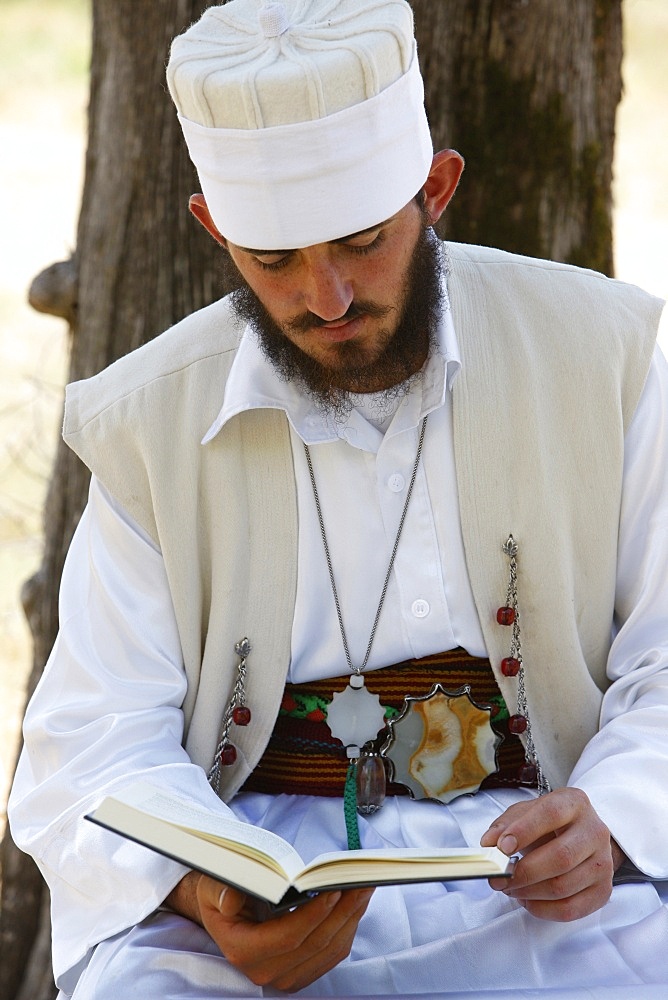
pixel 107 710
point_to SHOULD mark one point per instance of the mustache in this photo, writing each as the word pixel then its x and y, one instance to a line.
pixel 308 320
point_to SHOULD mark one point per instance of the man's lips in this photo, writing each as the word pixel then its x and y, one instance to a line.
pixel 340 329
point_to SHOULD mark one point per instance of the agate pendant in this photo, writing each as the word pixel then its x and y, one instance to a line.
pixel 355 716
pixel 441 745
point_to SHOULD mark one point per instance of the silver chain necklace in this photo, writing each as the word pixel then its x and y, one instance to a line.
pixel 355 716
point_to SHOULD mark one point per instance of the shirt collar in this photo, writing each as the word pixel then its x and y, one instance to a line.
pixel 253 383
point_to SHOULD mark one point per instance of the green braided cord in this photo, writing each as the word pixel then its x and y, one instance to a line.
pixel 350 808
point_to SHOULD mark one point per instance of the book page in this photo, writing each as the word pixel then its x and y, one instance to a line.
pixel 407 864
pixel 177 811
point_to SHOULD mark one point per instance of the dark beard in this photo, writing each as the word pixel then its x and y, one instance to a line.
pixel 401 358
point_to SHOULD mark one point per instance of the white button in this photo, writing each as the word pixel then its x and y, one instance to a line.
pixel 420 608
pixel 396 482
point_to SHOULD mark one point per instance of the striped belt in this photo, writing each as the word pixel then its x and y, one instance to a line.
pixel 303 758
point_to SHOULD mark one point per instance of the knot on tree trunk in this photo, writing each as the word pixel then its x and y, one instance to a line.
pixel 55 290
pixel 32 593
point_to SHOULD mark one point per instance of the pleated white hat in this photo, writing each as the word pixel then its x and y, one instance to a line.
pixel 305 119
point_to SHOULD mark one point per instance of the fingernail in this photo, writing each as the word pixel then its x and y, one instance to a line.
pixel 332 899
pixel 221 897
pixel 508 844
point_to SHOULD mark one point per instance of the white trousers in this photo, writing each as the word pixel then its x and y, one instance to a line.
pixel 170 958
pixel 425 939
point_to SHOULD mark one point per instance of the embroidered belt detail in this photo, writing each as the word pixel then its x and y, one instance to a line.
pixel 303 758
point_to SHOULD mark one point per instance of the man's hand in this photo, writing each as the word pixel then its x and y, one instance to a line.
pixel 568 855
pixel 287 952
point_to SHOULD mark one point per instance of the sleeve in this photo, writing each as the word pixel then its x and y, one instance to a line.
pixel 106 712
pixel 624 769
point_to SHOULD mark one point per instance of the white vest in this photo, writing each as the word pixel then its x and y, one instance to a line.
pixel 554 359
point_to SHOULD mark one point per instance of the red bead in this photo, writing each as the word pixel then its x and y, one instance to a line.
pixel 510 667
pixel 505 616
pixel 241 715
pixel 528 774
pixel 517 724
pixel 228 755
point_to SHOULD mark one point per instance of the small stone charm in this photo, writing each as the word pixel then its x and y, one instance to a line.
pixel 527 774
pixel 517 724
pixel 227 755
pixel 241 715
pixel 510 666
pixel 505 616
pixel 370 778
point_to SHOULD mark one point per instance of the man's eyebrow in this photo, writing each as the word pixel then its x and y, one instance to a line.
pixel 362 232
pixel 261 253
pixel 341 239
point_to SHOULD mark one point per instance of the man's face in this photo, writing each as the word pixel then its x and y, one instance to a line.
pixel 352 315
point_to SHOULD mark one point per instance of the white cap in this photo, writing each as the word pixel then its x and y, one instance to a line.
pixel 305 119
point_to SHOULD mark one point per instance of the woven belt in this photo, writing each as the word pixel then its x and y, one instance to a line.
pixel 303 758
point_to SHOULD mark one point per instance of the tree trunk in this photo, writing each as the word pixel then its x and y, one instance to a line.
pixel 526 92
pixel 140 265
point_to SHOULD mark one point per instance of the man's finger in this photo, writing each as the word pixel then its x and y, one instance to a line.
pixel 218 896
pixel 539 822
pixel 291 950
pixel 332 943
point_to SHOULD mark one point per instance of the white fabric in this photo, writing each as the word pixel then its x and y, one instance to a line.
pixel 413 939
pixel 254 65
pixel 357 452
pixel 309 182
pixel 119 651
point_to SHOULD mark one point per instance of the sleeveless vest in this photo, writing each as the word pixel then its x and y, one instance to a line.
pixel 554 359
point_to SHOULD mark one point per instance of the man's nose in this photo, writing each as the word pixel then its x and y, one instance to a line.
pixel 328 292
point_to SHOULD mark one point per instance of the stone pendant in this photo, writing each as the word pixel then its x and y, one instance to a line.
pixel 370 777
pixel 442 745
pixel 355 716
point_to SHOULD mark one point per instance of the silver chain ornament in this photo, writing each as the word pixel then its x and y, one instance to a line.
pixel 513 666
pixel 355 716
pixel 236 713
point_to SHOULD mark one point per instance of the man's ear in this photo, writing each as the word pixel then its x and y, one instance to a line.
pixel 199 208
pixel 446 169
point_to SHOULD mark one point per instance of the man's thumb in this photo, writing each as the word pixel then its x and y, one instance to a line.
pixel 217 896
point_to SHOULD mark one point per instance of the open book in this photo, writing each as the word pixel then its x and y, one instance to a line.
pixel 263 864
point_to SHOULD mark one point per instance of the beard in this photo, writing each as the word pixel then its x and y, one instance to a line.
pixel 402 348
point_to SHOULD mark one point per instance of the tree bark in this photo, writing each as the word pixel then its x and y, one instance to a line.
pixel 526 91
pixel 140 265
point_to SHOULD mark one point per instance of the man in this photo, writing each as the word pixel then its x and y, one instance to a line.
pixel 380 463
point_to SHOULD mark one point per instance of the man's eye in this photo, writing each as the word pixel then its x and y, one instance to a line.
pixel 273 262
pixel 366 242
